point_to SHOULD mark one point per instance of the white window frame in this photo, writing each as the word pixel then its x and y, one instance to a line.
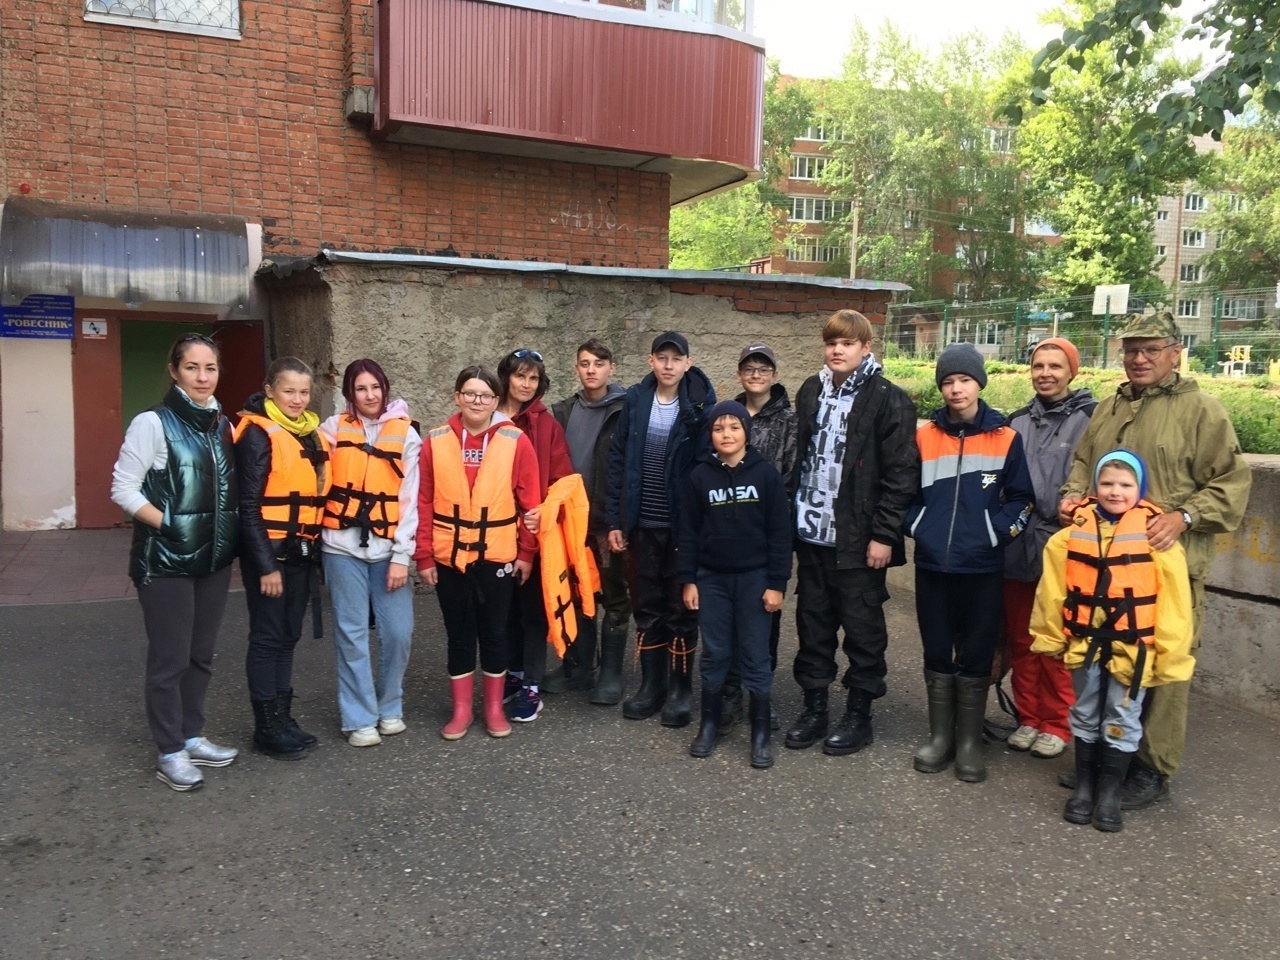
pixel 811 250
pixel 1162 215
pixel 1189 273
pixel 911 219
pixel 961 291
pixel 822 130
pixel 808 166
pixel 987 333
pixel 817 209
pixel 156 15
pixel 1195 203
pixel 1189 309
pixel 1237 203
pixel 1160 249
pixel 1000 139
pixel 1193 239
pixel 1244 308
pixel 1189 340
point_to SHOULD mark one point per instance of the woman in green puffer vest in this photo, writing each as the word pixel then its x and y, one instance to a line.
pixel 175 477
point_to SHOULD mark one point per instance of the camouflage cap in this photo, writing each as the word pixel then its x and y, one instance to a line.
pixel 1150 326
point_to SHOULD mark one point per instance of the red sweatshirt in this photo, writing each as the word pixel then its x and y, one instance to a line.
pixel 524 481
pixel 547 436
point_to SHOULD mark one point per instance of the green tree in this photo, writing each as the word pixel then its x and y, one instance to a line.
pixel 1075 151
pixel 1245 35
pixel 1244 207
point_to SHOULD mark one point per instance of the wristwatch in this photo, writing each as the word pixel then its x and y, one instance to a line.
pixel 1186 518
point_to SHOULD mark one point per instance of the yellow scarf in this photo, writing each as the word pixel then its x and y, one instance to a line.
pixel 304 426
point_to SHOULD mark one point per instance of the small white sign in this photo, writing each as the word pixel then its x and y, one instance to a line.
pixel 1119 299
pixel 93 329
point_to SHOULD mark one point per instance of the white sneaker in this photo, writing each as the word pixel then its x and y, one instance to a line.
pixel 390 726
pixel 178 772
pixel 1048 746
pixel 364 737
pixel 1022 738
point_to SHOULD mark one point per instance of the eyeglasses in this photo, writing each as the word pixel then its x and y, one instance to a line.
pixel 526 354
pixel 480 398
pixel 756 371
pixel 1150 352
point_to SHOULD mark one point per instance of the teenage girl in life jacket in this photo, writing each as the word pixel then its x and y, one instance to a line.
pixel 370 521
pixel 176 478
pixel 284 477
pixel 523 378
pixel 478 499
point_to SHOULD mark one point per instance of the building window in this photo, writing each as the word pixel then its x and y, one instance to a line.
pixel 911 220
pixel 1193 238
pixel 807 167
pixel 987 333
pixel 1160 249
pixel 812 250
pixel 1237 203
pixel 1189 273
pixel 215 18
pixel 1243 308
pixel 1162 215
pixel 962 292
pixel 1036 227
pixel 1188 341
pixel 1189 308
pixel 1000 139
pixel 822 129
pixel 818 209
pixel 1195 203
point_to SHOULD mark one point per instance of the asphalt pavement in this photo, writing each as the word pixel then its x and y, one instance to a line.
pixel 584 835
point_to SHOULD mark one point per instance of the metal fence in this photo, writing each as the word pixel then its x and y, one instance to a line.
pixel 1239 336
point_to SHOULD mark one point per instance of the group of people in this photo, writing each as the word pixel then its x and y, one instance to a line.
pixel 1079 530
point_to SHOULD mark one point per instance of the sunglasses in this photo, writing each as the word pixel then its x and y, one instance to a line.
pixel 527 354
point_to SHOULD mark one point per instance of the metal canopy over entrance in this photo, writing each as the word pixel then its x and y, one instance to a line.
pixel 132 257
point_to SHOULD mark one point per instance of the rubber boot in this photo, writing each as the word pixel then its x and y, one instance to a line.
pixel 270 735
pixel 495 721
pixel 613 646
pixel 577 669
pixel 648 700
pixel 285 701
pixel 811 726
pixel 1113 765
pixel 936 754
pixel 462 689
pixel 761 734
pixel 704 744
pixel 971 711
pixel 1080 804
pixel 853 732
pixel 678 709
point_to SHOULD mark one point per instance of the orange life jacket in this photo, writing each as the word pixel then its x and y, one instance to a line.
pixel 1111 597
pixel 365 478
pixel 293 502
pixel 569 573
pixel 473 522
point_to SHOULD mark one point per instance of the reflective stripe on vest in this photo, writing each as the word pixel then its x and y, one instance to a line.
pixel 473 522
pixel 1111 598
pixel 364 479
pixel 293 503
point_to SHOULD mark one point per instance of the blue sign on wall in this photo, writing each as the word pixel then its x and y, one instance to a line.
pixel 41 316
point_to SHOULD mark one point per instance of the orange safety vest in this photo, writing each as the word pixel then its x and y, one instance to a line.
pixel 473 523
pixel 1111 597
pixel 293 503
pixel 569 573
pixel 364 489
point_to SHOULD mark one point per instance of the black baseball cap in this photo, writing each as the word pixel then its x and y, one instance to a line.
pixel 670 338
pixel 758 350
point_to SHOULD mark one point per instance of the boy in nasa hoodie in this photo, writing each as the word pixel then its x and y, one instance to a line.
pixel 733 562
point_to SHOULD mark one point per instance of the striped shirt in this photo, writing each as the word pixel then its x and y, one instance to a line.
pixel 655 511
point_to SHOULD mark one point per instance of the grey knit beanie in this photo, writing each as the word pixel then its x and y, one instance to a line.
pixel 961 358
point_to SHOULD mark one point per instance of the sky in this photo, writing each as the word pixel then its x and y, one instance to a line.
pixel 810 36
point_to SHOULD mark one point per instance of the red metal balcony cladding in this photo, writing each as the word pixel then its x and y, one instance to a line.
pixel 495 69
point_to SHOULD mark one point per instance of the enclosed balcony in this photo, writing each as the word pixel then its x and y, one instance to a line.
pixel 666 86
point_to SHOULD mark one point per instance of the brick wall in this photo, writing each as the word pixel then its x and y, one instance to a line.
pixel 130 118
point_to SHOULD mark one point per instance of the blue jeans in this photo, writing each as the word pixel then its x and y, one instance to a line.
pixel 1100 711
pixel 732 618
pixel 353 586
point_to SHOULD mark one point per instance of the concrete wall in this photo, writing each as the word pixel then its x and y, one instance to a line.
pixel 39 435
pixel 424 325
pixel 1240 651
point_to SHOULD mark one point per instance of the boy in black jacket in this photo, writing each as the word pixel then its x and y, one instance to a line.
pixel 856 475
pixel 734 560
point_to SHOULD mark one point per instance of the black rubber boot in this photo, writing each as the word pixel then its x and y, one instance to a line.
pixel 1143 787
pixel 704 744
pixel 971 711
pixel 285 702
pixel 936 754
pixel 732 703
pixel 678 710
pixel 270 735
pixel 1113 765
pixel 853 732
pixel 649 698
pixel 761 734
pixel 1079 808
pixel 811 726
pixel 577 671
pixel 613 646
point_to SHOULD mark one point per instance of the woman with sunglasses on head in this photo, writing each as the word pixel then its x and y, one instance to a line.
pixel 370 522
pixel 478 496
pixel 176 478
pixel 284 479
pixel 524 381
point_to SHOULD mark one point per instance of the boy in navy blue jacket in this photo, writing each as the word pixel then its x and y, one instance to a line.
pixel 734 560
